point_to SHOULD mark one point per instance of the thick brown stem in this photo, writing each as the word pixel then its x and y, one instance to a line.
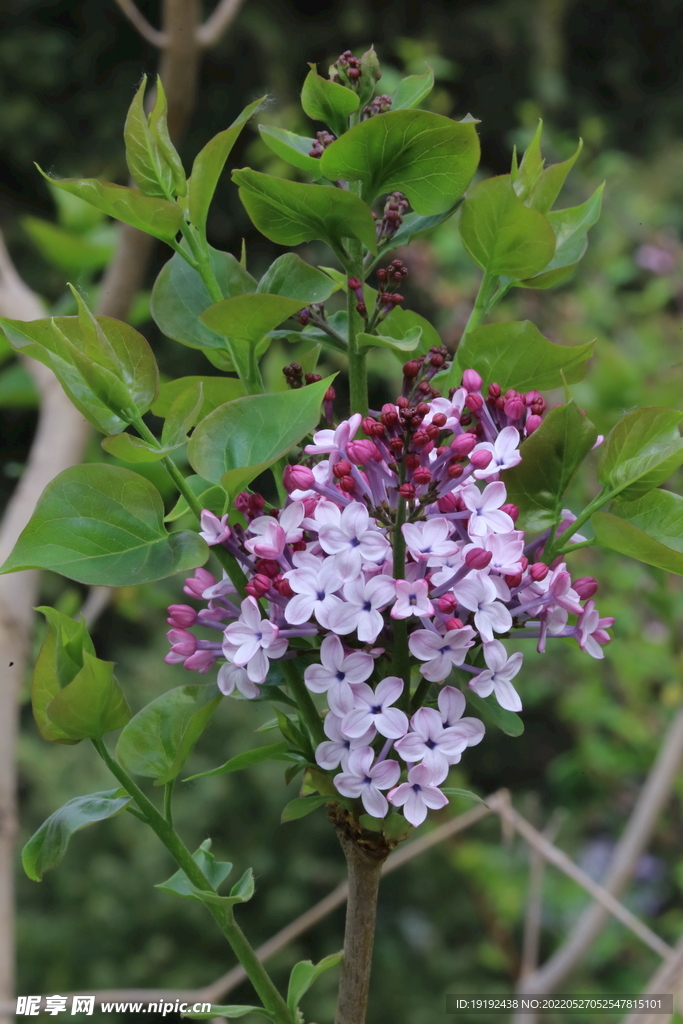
pixel 364 870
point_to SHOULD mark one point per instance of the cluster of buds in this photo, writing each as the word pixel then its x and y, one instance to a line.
pixel 379 105
pixel 296 378
pixel 392 217
pixel 418 372
pixel 408 524
pixel 322 141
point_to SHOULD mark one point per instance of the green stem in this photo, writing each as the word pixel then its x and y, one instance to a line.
pixel 575 547
pixel 168 801
pixel 304 701
pixel 358 374
pixel 200 252
pixel 268 994
pixel 552 548
pixel 483 304
pixel 401 653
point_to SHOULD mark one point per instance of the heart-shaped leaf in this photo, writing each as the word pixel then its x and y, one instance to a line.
pixel 328 101
pixel 641 452
pixel 92 704
pixel 288 275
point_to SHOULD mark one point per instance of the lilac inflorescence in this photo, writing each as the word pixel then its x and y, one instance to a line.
pixel 409 525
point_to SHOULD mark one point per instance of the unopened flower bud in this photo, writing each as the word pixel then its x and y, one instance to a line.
pixel 368 423
pixel 268 567
pixel 407 491
pixel 354 284
pixel 242 502
pixel 454 471
pixel 297 478
pixel 585 587
pixel 481 459
pixel 256 503
pixel 453 624
pixel 471 380
pixel 422 475
pixel 197 584
pixel 299 545
pixel 474 402
pixel 396 445
pixel 447 603
pixel 258 585
pixel 420 439
pixel 538 571
pixel 432 431
pixel 513 581
pixel 183 642
pixel 181 616
pixel 533 423
pixel 347 484
pixel 360 452
pixel 533 397
pixel 478 558
pixel 412 461
pixel 411 369
pixel 361 309
pixel 330 395
pixel 439 420
pixel 282 586
pixel 341 468
pixel 448 503
pixel 402 402
pixel 514 408
pixel 511 510
pixel 201 661
pixel 464 444
pixel 494 390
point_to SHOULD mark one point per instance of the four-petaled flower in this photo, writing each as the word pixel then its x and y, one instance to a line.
pixel 360 610
pixel 213 529
pixel 504 451
pixel 373 707
pixel 412 599
pixel 315 587
pixel 336 750
pixel 251 641
pixel 352 541
pixel 480 594
pixel 420 793
pixel 497 678
pixel 430 742
pixel 487 515
pixel 430 541
pixel 364 779
pixel 337 673
pixel 440 653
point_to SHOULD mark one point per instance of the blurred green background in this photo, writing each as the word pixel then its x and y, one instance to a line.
pixel 451 921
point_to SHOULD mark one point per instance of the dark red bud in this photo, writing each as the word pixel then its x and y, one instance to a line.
pixel 368 423
pixel 512 511
pixel 454 471
pixel 513 581
pixel 422 475
pixel 396 445
pixel 341 468
pixel 348 484
pixel 402 402
pixel 453 624
pixel 539 571
pixel 494 390
pixel 474 402
pixel 439 420
pixel 330 395
pixel 361 308
pixel 283 588
pixel 411 369
pixel 354 284
pixel 268 567
pixel 478 558
pixel 258 586
pixel 407 491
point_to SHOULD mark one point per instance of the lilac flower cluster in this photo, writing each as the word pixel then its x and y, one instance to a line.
pixel 399 540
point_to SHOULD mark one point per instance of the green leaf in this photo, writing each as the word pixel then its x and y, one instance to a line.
pixel 327 101
pixel 289 213
pixel 180 296
pixel 209 163
pixel 493 714
pixel 245 322
pixel 303 805
pixel 550 182
pixel 501 234
pixel 649 529
pixel 641 452
pixel 107 368
pixel 159 739
pixel 70 252
pixel 243 890
pixel 401 322
pixel 249 758
pixel 550 458
pixel 295 149
pixel 92 704
pixel 183 415
pixel 241 439
pixel 305 973
pixel 59 660
pixel 415 226
pixel 525 179
pixel 412 90
pixel 215 391
pixel 426 156
pixel 157 217
pixel 571 228
pixel 216 871
pixel 210 496
pixel 399 346
pixel 230 1012
pixel 47 846
pixel 158 126
pixel 516 355
pixel 465 794
pixel 103 525
pixel 148 169
pixel 291 277
pixel 134 450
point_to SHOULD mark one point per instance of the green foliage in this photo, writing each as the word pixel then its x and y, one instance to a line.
pixel 241 439
pixel 289 213
pixel 59 660
pixel 159 739
pixel 106 367
pixel 216 872
pixel 229 1011
pixel 288 275
pixel 428 157
pixel 412 90
pixel 92 704
pixel 516 355
pixel 306 973
pixel 571 240
pixel 152 158
pixel 303 805
pixel 215 391
pixel 328 101
pixel 501 234
pixel 641 452
pixel 649 529
pixel 493 714
pixel 550 458
pixel 295 149
pixel 272 752
pixel 103 525
pixel 47 847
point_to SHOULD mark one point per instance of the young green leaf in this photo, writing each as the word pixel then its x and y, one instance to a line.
pixel 649 529
pixel 245 322
pixel 133 449
pixel 295 149
pixel 243 890
pixel 288 275
pixel 399 346
pixel 159 739
pixel 415 226
pixel 59 660
pixel 241 439
pixel 531 167
pixel 216 871
pixel 412 90
pixel 641 452
pixel 103 525
pixel 148 169
pixel 550 458
pixel 303 805
pixel 273 752
pixel 179 297
pixel 571 228
pixel 210 496
pixel 158 126
pixel 401 322
pixel 92 704
pixel 47 846
pixel 327 101
pixel 183 415
pixel 71 253
pixel 501 234
pixel 209 163
pixel 306 973
pixel 215 391
pixel 516 355
pixel 493 714
pixel 231 1012
pixel 550 182
pixel 426 156
pixel 289 213
pixel 157 217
